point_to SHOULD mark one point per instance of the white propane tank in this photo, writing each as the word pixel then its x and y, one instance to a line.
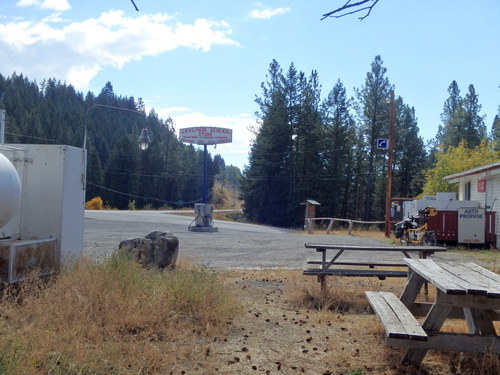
pixel 10 190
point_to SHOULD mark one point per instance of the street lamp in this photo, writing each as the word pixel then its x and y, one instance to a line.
pixel 144 139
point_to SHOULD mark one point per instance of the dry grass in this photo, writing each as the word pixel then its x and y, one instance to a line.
pixel 111 318
pixel 115 318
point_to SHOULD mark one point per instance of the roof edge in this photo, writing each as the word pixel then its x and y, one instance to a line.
pixel 469 172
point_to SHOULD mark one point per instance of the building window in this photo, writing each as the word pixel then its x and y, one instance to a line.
pixel 467 191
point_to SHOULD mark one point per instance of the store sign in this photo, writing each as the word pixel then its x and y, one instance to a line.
pixel 471 225
pixel 206 135
pixel 481 186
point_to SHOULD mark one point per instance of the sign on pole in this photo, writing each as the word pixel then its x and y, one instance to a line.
pixel 206 135
pixel 382 143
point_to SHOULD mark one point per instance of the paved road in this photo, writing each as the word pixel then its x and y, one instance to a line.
pixel 235 245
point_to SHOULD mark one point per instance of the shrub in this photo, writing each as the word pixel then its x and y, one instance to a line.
pixel 94 204
pixel 131 205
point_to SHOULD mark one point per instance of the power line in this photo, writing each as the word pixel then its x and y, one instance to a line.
pixel 141 197
pixel 32 137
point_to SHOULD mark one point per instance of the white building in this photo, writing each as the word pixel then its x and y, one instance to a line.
pixel 481 184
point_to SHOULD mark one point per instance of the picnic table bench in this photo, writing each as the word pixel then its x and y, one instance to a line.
pixel 464 291
pixel 328 266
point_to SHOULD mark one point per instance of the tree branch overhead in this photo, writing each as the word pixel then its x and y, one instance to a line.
pixel 351 8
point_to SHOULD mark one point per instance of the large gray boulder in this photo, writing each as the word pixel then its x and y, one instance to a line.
pixel 157 249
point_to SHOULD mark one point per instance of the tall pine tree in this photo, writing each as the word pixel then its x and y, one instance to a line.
pixel 461 119
pixel 285 162
pixel 373 113
pixel 339 144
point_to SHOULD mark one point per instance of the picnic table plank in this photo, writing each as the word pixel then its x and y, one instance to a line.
pixel 374 248
pixel 431 271
pixel 392 325
pixel 354 272
pixel 494 277
pixel 369 264
pixel 397 320
pixel 478 281
pixel 405 316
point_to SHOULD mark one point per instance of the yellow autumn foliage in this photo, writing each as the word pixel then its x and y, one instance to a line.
pixel 94 204
pixel 454 160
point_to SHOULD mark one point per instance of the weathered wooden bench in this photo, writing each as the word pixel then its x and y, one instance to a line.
pixel 381 274
pixel 326 265
pixel 399 323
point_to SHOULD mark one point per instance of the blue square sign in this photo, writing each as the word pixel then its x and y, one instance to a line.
pixel 382 143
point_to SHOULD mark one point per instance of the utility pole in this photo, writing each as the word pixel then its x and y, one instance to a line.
pixel 2 121
pixel 388 191
pixel 2 126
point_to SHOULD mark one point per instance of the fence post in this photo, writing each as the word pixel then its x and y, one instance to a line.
pixel 330 225
pixel 350 227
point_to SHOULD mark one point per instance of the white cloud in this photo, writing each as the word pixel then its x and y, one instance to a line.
pixel 28 3
pixel 268 13
pixel 76 52
pixel 235 153
pixel 57 5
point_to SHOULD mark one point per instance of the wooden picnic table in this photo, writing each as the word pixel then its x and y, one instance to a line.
pixel 464 290
pixel 328 265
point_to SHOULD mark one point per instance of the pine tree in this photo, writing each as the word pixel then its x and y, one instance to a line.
pixel 474 127
pixel 339 144
pixel 285 159
pixel 373 114
pixel 410 157
pixel 450 128
pixel 267 185
pixel 461 120
pixel 308 138
pixel 495 130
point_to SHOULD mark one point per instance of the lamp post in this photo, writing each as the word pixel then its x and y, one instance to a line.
pixel 144 139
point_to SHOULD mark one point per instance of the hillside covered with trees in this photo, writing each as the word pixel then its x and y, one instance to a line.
pixel 325 149
pixel 167 173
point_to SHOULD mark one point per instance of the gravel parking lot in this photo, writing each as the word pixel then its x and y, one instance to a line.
pixel 234 246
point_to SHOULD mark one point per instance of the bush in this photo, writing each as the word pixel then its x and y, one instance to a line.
pixel 94 204
pixel 131 205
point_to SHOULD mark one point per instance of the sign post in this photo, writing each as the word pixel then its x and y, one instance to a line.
pixel 205 136
pixel 388 144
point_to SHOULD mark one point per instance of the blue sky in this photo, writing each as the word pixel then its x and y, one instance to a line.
pixel 202 62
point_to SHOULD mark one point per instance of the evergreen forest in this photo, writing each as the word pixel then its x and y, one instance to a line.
pixel 307 145
pixel 325 148
pixel 168 174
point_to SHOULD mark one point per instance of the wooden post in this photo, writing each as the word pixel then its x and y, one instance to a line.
pixel 330 225
pixel 351 223
pixel 388 192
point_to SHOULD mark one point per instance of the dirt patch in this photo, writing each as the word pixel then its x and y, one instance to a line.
pixel 277 334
